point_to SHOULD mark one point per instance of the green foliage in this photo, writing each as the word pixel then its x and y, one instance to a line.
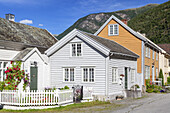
pixel 65 87
pixel 14 75
pixel 137 86
pixel 91 24
pixel 149 90
pixel 168 80
pixel 155 23
pixel 161 76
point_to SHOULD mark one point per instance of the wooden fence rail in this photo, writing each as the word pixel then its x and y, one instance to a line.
pixel 35 98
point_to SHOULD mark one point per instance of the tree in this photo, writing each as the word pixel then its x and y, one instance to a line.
pixel 161 76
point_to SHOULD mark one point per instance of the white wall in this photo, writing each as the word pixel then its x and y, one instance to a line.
pixel 7 54
pixel 115 88
pixel 43 77
pixel 90 57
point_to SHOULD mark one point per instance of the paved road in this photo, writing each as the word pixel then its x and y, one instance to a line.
pixel 155 103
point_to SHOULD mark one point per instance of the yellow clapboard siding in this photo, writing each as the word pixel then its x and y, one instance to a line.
pixel 127 40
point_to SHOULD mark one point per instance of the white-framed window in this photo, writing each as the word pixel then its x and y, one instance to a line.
pixel 114 75
pixel 68 74
pixel 88 74
pixel 113 29
pixel 76 49
pixel 153 54
pixel 147 72
pixel 3 67
pixel 147 52
pixel 132 75
pixel 156 55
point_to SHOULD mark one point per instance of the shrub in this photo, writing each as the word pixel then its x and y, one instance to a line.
pixel 161 76
pixel 14 75
pixel 168 80
pixel 155 90
pixel 149 90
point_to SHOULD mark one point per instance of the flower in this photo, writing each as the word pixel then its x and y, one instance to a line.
pixel 11 62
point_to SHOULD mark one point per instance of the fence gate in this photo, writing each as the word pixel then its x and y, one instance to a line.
pixel 77 93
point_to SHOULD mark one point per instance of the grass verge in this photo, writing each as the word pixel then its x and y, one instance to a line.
pixel 64 108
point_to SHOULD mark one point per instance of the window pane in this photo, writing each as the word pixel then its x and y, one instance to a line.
pixel 66 74
pixel 73 49
pixel 0 64
pixel 78 49
pixel 111 29
pixel 5 64
pixel 114 75
pixel 71 74
pixel 115 29
pixel 132 75
pixel 91 75
pixel 4 75
pixel 0 74
pixel 85 74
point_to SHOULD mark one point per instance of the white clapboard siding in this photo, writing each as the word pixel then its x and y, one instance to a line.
pixel 91 57
pixel 115 88
pixel 7 54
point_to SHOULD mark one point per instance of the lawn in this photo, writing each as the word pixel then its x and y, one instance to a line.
pixel 78 107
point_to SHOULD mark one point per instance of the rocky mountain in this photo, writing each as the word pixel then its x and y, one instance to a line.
pixel 91 23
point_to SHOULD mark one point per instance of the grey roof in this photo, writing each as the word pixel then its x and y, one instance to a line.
pixel 22 54
pixel 114 47
pixel 17 32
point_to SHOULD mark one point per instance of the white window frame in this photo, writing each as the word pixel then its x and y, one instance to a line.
pixel 115 78
pixel 157 73
pixel 153 54
pixel 88 74
pixel 109 31
pixel 71 49
pixel 132 75
pixel 69 73
pixel 3 69
pixel 147 72
pixel 147 51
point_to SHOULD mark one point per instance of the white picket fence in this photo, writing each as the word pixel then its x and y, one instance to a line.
pixel 35 98
pixel 87 93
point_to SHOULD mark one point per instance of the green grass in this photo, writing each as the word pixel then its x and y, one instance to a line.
pixel 70 107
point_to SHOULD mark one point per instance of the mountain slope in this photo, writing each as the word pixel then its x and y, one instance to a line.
pixel 91 23
pixel 155 23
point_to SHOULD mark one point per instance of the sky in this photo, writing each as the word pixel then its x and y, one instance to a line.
pixel 58 15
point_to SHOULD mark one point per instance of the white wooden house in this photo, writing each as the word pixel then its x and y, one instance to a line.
pixel 19 42
pixel 84 59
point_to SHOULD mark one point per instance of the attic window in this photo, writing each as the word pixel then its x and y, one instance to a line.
pixel 76 49
pixel 113 29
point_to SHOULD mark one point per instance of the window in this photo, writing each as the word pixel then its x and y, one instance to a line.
pixel 153 54
pixel 3 67
pixel 156 56
pixel 169 63
pixel 69 74
pixel 132 75
pixel 88 74
pixel 147 72
pixel 114 75
pixel 147 52
pixel 113 29
pixel 76 49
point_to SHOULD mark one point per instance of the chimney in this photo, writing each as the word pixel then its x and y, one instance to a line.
pixel 124 21
pixel 10 17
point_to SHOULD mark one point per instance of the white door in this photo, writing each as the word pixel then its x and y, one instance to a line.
pixel 153 74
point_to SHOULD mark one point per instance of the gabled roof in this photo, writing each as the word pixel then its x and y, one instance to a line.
pixel 26 53
pixel 165 47
pixel 122 24
pixel 25 34
pixel 105 46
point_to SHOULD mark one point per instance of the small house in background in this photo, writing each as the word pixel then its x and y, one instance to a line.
pixel 10 17
pixel 26 44
pixel 91 61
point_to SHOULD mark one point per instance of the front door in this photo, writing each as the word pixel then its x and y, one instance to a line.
pixel 126 78
pixel 153 74
pixel 33 75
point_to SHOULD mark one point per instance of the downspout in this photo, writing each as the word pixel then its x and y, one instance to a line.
pixel 107 75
